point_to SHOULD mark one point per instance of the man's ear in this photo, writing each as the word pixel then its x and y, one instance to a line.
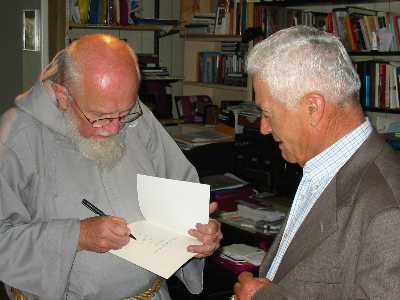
pixel 61 95
pixel 315 105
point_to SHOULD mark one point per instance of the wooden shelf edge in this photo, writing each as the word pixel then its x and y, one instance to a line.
pixel 126 27
pixel 218 86
pixel 382 110
pixel 161 78
pixel 211 37
pixel 375 53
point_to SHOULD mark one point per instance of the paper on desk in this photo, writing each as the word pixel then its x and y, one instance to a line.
pixel 170 208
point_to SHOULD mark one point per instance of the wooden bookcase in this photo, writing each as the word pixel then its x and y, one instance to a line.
pixel 193 46
pixel 197 43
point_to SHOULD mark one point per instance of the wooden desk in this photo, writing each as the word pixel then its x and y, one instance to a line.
pixel 189 136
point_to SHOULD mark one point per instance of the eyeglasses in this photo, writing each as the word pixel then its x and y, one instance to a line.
pixel 135 113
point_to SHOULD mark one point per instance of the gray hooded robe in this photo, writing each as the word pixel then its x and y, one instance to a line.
pixel 43 179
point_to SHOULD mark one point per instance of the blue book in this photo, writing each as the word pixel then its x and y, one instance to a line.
pixel 367 92
pixel 94 11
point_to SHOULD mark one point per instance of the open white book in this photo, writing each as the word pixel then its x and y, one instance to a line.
pixel 170 208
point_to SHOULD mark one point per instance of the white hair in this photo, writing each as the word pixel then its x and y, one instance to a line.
pixel 301 59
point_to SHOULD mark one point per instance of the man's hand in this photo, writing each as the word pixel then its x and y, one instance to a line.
pixel 209 234
pixel 248 286
pixel 101 234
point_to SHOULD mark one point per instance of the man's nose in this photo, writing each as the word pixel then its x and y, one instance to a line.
pixel 265 126
pixel 113 127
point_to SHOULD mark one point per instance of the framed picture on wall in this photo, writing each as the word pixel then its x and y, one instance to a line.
pixel 31 29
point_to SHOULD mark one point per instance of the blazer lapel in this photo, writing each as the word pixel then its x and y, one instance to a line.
pixel 267 260
pixel 318 225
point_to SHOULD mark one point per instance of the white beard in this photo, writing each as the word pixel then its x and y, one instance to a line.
pixel 105 153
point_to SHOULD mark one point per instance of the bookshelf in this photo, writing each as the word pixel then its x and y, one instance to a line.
pixel 155 34
pixel 195 44
pixel 143 35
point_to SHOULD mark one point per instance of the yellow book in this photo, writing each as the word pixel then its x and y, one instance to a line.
pixel 250 14
pixel 84 11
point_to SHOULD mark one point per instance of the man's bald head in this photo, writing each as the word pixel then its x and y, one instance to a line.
pixel 99 61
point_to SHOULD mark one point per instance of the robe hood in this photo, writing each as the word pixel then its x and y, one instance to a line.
pixel 40 102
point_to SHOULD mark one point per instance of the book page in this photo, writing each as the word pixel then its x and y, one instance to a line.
pixel 170 208
pixel 157 249
pixel 178 205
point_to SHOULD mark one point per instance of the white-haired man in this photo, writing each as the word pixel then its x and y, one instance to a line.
pixel 341 238
pixel 81 132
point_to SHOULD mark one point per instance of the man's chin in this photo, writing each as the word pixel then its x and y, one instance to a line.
pixel 289 158
pixel 99 138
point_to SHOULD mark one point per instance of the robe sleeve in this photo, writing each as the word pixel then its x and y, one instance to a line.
pixel 36 255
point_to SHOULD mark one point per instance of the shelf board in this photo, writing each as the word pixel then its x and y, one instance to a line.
pixel 375 53
pixel 217 86
pixel 382 110
pixel 212 37
pixel 320 2
pixel 127 27
pixel 161 78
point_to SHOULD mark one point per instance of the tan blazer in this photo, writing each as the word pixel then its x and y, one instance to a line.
pixel 349 245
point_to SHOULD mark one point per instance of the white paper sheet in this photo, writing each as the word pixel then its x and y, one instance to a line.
pixel 170 208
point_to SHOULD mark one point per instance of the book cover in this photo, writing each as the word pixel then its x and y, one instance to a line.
pixel 225 182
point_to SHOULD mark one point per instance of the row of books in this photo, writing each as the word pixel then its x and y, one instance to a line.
pixel 358 28
pixel 364 29
pixel 221 68
pixel 149 66
pixel 201 23
pixel 380 84
pixel 105 12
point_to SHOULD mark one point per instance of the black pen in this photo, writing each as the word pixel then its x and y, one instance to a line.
pixel 99 212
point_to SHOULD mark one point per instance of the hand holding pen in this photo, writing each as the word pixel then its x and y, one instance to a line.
pixel 99 212
pixel 102 233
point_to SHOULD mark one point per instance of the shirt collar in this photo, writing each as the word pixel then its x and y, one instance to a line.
pixel 336 155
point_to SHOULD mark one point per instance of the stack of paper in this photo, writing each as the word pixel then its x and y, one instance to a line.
pixel 257 212
pixel 244 253
pixel 225 181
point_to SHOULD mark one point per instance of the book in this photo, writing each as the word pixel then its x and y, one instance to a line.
pixel 222 21
pixel 258 212
pixel 170 208
pixel 357 10
pixel 244 252
pixel 223 182
pixel 203 136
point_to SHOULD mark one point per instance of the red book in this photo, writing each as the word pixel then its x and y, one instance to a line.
pixel 124 11
pixel 227 200
pixel 382 85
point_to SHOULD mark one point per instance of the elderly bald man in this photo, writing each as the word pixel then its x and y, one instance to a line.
pixel 82 132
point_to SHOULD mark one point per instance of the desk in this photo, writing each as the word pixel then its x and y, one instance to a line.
pixel 214 156
pixel 189 136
